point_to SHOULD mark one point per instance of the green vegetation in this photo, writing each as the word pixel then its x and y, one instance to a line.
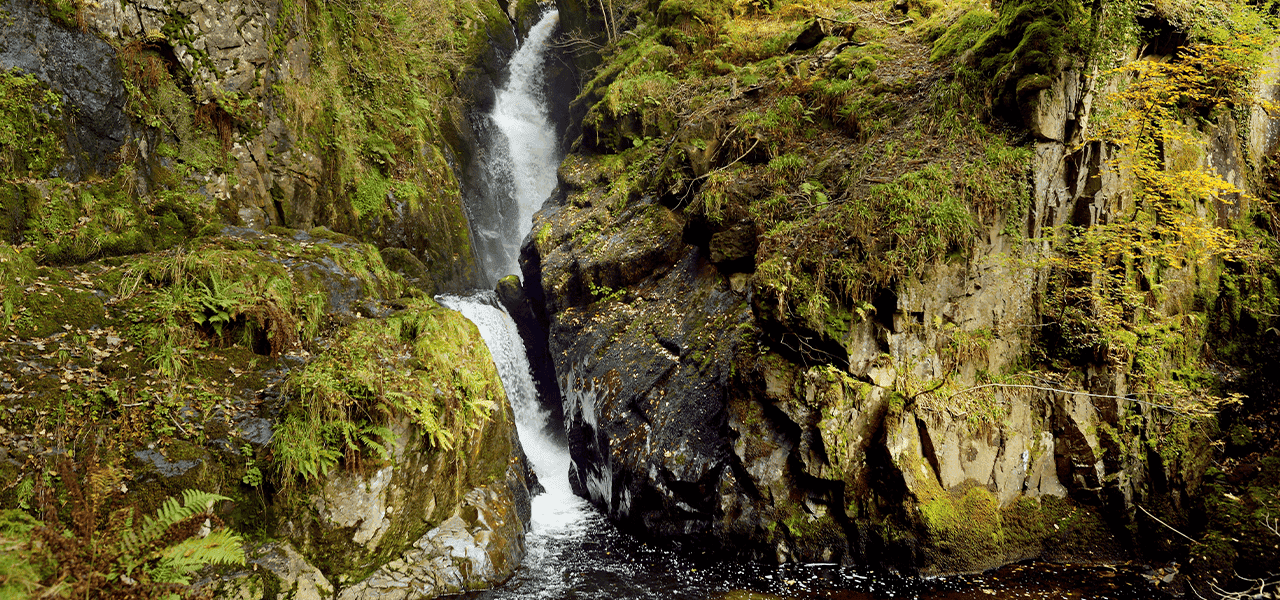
pixel 974 24
pixel 103 215
pixel 859 171
pixel 89 544
pixel 387 155
pixel 1109 282
pixel 1025 49
pixel 222 291
pixel 186 336
pixel 967 527
pixel 30 125
pixel 142 354
pixel 838 228
pixel 197 138
pixel 422 363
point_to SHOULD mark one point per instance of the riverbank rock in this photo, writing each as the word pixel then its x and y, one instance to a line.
pixel 346 526
pixel 217 252
pixel 810 313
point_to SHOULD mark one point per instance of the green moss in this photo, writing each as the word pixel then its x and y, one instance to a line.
pixel 963 34
pixel 50 309
pixel 65 12
pixel 965 531
pixel 808 528
pixel 21 560
pixel 31 128
pixel 1021 53
pixel 70 223
pixel 17 270
pixel 922 217
pixel 157 100
pixel 386 156
pixel 423 363
pixel 693 12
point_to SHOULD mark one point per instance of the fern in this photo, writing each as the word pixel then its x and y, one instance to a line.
pixel 136 546
pixel 179 561
pixel 376 438
pixel 301 449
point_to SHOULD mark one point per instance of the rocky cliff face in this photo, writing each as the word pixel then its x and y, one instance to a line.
pixel 223 223
pixel 803 300
pixel 264 115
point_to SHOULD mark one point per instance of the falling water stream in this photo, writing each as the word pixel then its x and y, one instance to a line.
pixel 573 551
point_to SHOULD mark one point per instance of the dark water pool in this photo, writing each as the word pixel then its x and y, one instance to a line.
pixel 577 554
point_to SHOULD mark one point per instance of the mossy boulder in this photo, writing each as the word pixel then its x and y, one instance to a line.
pixel 1022 52
pixel 187 373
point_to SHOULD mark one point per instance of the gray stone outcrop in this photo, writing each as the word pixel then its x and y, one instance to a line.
pixel 480 543
pixel 82 68
pixel 819 447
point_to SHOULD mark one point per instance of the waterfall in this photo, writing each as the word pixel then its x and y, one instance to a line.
pixel 550 458
pixel 559 517
pixel 523 165
pixel 524 153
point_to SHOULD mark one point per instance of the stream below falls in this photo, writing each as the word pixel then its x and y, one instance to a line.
pixel 573 551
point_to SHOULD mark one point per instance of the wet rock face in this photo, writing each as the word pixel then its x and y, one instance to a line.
pixel 80 67
pixel 683 428
pixel 670 425
pixel 371 527
pixel 697 417
pixel 533 332
pixel 645 401
pixel 482 542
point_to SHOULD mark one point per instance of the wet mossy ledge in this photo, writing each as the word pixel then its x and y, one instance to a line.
pixel 217 259
pixel 928 285
pixel 289 372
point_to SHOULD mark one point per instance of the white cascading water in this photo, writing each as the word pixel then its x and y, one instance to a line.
pixel 529 143
pixel 556 511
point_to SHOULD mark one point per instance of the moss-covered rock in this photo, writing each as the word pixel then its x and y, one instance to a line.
pixel 914 373
pixel 187 365
pixel 1025 49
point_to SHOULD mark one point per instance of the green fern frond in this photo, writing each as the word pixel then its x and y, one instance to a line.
pixel 193 502
pixel 377 438
pixel 180 560
pixel 303 448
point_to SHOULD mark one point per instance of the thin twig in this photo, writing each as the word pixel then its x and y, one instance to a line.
pixel 1260 312
pixel 1248 594
pixel 714 171
pixel 1193 540
pixel 685 120
pixel 1272 525
pixel 930 390
pixel 735 161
